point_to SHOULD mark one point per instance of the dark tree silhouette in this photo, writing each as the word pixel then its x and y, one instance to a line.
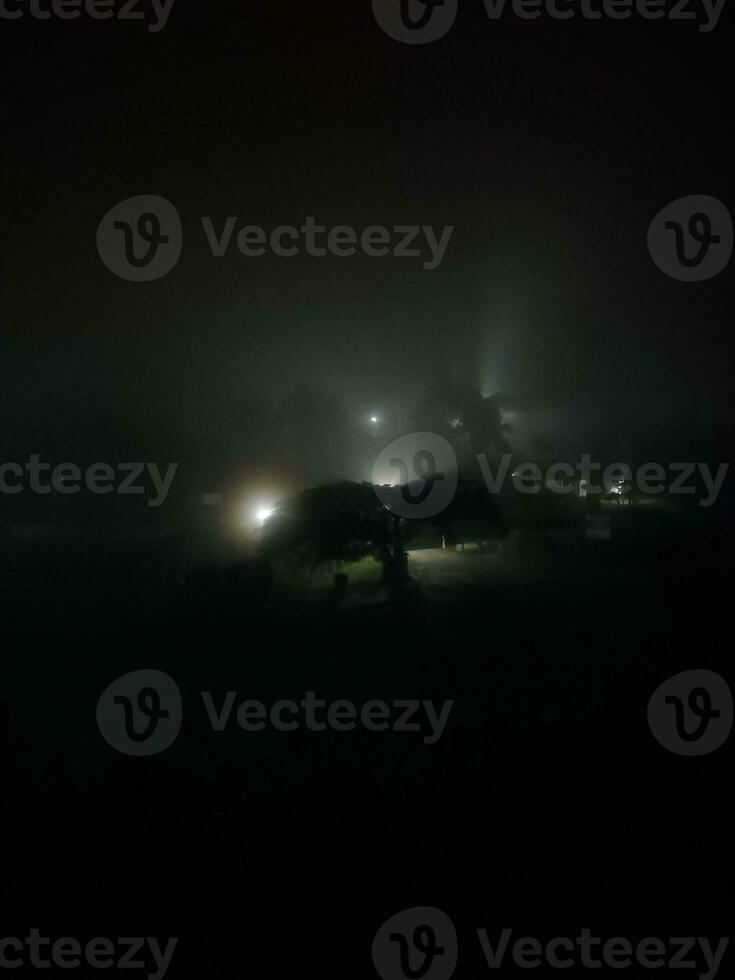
pixel 472 423
pixel 473 515
pixel 339 522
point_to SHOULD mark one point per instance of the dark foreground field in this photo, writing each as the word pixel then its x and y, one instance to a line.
pixel 546 806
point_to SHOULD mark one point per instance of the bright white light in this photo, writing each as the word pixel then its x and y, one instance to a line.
pixel 257 509
pixel 374 419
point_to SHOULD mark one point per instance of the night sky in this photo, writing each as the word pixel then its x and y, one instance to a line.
pixel 549 145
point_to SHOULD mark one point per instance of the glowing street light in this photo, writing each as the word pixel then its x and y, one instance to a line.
pixel 255 514
pixel 263 514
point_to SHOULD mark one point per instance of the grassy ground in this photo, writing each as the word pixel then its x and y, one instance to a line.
pixel 546 806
